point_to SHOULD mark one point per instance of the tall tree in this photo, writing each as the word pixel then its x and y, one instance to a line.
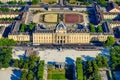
pixel 5 57
pixel 110 41
pixel 79 68
pixel 34 2
pixel 100 29
pixel 92 28
pixel 16 62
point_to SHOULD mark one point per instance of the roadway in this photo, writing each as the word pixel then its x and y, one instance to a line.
pixel 47 5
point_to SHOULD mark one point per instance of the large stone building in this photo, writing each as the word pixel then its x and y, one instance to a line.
pixel 63 35
pixel 63 32
pixel 16 34
pixel 112 15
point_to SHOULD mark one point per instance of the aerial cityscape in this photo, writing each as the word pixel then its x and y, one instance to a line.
pixel 59 39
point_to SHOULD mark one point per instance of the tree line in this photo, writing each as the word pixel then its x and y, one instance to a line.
pixel 93 29
pixel 5 57
pixel 32 68
pixel 90 69
pixel 115 58
pixel 28 28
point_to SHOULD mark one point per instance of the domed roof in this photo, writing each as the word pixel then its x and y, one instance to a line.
pixel 61 26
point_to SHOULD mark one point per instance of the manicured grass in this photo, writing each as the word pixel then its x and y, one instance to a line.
pixel 56 74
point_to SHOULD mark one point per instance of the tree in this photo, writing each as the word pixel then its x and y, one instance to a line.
pixel 89 67
pixel 100 29
pixel 30 75
pixel 79 68
pixel 110 41
pixel 92 28
pixel 21 63
pixel 25 64
pixel 95 67
pixel 105 61
pixel 40 70
pixel 7 42
pixel 15 64
pixel 5 65
pixel 5 56
pixel 23 27
pixel 31 27
pixel 99 61
pixel 12 2
pixel 115 57
pixel 84 77
pixel 34 2
pixel 24 75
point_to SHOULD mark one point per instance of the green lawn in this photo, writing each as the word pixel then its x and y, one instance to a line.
pixel 56 74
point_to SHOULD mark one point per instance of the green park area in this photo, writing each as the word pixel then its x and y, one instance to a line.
pixel 56 74
pixel 65 73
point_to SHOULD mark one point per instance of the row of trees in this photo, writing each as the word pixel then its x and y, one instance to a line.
pixel 102 61
pixel 93 29
pixel 87 2
pixel 15 2
pixel 7 42
pixel 25 27
pixel 92 70
pixel 5 57
pixel 115 57
pixel 34 2
pixel 7 19
pixel 33 68
pixel 79 69
pixel 4 9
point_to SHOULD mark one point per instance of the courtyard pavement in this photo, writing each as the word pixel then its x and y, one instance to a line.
pixel 10 74
pixel 61 56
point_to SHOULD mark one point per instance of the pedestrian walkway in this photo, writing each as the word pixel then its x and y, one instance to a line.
pixel 45 73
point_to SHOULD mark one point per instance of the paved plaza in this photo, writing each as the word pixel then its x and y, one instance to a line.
pixel 61 56
pixel 10 74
